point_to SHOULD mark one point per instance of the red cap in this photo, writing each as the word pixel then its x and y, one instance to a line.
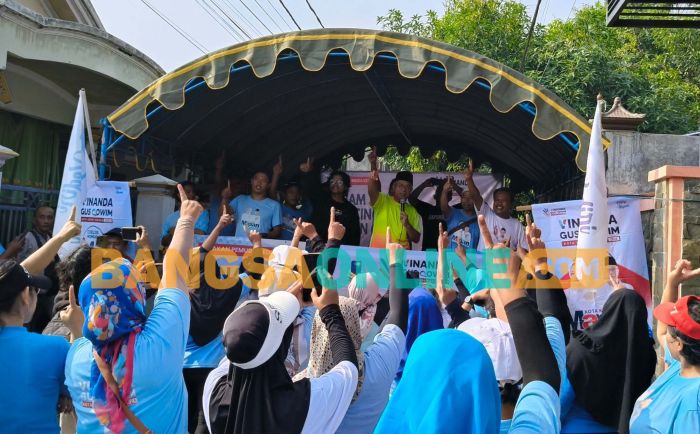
pixel 677 315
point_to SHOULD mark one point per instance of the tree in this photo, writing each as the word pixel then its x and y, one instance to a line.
pixel 654 71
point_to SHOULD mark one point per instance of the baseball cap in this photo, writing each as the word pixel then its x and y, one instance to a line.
pixel 249 342
pixel 404 175
pixel 677 315
pixel 495 335
pixel 14 278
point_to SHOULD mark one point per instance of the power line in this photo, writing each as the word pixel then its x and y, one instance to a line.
pixel 256 17
pixel 250 25
pixel 284 20
pixel 290 14
pixel 315 14
pixel 182 33
pixel 268 15
pixel 224 25
pixel 231 19
pixel 529 35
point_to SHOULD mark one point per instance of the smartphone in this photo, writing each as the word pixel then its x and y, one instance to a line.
pixel 311 260
pixel 355 267
pixel 129 234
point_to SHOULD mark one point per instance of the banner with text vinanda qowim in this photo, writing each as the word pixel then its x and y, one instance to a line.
pixel 560 223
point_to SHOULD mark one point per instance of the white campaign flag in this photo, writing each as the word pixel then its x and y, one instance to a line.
pixel 78 177
pixel 593 229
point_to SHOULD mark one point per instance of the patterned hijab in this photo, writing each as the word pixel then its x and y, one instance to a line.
pixel 321 359
pixel 366 295
pixel 113 301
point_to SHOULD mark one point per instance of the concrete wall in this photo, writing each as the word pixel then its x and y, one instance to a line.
pixel 632 155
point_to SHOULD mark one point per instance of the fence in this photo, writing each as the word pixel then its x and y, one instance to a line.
pixel 17 205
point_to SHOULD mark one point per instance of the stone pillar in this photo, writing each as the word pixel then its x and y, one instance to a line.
pixel 676 224
pixel 154 203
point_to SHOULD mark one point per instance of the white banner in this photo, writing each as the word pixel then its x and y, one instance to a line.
pixel 107 205
pixel 78 178
pixel 561 223
pixel 240 246
pixel 359 196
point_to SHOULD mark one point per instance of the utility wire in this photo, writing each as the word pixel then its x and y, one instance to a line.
pixel 214 16
pixel 315 14
pixel 529 36
pixel 231 19
pixel 182 33
pixel 284 20
pixel 242 16
pixel 290 14
pixel 268 15
pixel 256 17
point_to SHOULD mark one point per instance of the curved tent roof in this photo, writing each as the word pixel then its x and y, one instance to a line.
pixel 332 92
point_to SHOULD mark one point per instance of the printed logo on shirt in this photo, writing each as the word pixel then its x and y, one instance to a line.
pixel 500 234
pixel 463 237
pixel 251 219
pixel 586 318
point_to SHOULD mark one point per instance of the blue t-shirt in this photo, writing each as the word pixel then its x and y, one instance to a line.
pixel 158 396
pixel 213 210
pixel 207 356
pixel 2 249
pixel 467 236
pixel 670 405
pixel 202 223
pixel 31 379
pixel 288 214
pixel 260 215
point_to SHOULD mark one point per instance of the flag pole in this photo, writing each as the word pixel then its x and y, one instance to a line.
pixel 88 127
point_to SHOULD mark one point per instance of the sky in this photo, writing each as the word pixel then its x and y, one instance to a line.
pixel 207 23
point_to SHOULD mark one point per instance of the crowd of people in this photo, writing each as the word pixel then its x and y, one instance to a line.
pixel 279 352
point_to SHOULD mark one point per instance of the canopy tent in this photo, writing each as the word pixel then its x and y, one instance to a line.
pixel 331 92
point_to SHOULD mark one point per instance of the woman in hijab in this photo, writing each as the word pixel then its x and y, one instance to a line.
pixel 251 391
pixel 609 365
pixel 125 373
pixel 366 297
pixel 378 364
pixel 423 316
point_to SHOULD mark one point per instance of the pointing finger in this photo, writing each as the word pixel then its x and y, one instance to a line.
pixel 183 195
pixel 485 234
pixel 332 220
pixel 72 214
pixel 528 220
pixel 71 297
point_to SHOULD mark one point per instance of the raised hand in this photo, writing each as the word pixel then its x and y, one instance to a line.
pixel 308 166
pixel 307 229
pixel 404 218
pixel 336 231
pixel 374 175
pixel 392 247
pixel 297 290
pixel 226 193
pixel 255 238
pixel 225 219
pixel 15 245
pixel 469 171
pixel 277 168
pixel 143 241
pixel 72 316
pixel 372 158
pixel 682 272
pixel 296 237
pixel 327 298
pixel 446 296
pixel 70 229
pixel 188 208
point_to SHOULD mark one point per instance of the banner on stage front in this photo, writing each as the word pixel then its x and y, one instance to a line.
pixel 107 205
pixel 560 223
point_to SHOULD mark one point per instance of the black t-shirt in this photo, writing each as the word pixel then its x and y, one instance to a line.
pixel 432 217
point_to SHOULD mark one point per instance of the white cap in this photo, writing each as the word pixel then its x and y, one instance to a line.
pixel 281 253
pixel 283 308
pixel 276 278
pixel 495 335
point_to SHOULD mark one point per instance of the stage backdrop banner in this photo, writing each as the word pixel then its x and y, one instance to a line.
pixel 359 197
pixel 107 205
pixel 560 222
pixel 239 246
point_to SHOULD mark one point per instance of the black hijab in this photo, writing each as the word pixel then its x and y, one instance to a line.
pixel 263 399
pixel 209 308
pixel 612 362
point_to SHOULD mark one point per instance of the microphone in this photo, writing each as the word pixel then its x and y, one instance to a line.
pixel 403 204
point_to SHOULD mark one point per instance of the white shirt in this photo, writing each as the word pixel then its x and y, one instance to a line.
pixel 382 360
pixel 502 229
pixel 331 394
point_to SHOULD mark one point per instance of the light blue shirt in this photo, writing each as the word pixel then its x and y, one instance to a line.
pixel 538 407
pixel 468 236
pixel 382 359
pixel 670 405
pixel 202 223
pixel 207 356
pixel 260 215
pixel 158 393
pixel 288 216
pixel 31 375
pixel 227 231
pixel 2 249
